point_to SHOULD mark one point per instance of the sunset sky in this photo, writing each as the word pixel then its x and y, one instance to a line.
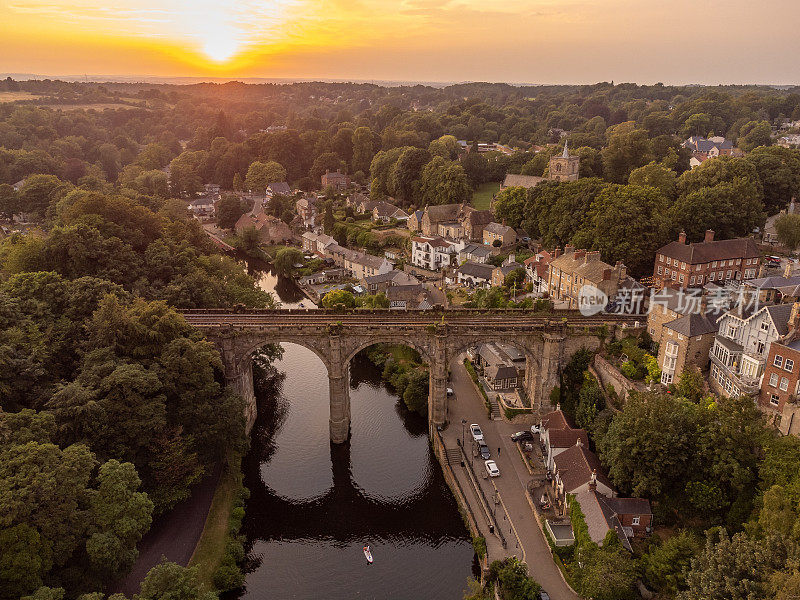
pixel 536 41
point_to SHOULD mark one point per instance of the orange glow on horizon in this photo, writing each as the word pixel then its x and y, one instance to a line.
pixel 548 41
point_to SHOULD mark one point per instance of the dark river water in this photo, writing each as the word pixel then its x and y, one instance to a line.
pixel 313 505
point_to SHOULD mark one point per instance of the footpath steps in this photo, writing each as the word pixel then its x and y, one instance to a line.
pixel 495 406
pixel 453 456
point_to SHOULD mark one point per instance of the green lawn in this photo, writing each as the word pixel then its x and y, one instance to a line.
pixel 482 197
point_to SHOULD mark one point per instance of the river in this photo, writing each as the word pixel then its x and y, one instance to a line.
pixel 313 505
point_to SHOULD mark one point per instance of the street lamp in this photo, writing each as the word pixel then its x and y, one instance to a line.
pixel 463 423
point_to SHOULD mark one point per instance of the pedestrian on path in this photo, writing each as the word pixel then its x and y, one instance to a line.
pixel 498 451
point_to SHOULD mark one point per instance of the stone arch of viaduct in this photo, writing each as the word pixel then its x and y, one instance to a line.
pixel 547 344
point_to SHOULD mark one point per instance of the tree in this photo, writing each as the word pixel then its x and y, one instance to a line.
pixel 415 395
pixel 445 147
pixel 338 297
pixel 628 224
pixel 666 565
pixel 405 175
pixel 168 581
pixel 40 192
pixel 328 220
pixel 513 580
pixel 8 201
pixel 655 175
pixel 730 568
pixel 261 174
pixel 229 209
pixel 444 182
pixel 778 170
pixel 650 445
pixel 628 148
pixel 788 230
pixel 691 384
pixel 286 258
pixel 509 206
pixel 363 149
pixel 754 134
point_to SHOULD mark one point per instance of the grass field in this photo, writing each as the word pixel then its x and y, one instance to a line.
pixel 482 197
pixel 14 96
pixel 211 546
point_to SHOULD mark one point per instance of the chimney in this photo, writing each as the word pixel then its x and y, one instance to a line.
pixel 794 317
pixel 579 254
pixel 607 274
pixel 682 237
pixel 569 248
pixel 578 442
pixel 709 235
pixel 593 255
pixel 621 269
pixel 787 272
pixel 593 480
pixel 703 303
pixel 556 252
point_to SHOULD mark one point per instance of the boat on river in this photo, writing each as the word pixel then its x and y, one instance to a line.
pixel 368 554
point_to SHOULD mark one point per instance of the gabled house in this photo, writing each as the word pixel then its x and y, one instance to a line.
pixel 202 207
pixel 536 270
pixel 557 435
pixel 433 253
pixel 499 273
pixel 335 179
pixel 686 341
pixel 270 230
pixel 414 222
pixel 278 188
pixel 627 517
pixel 475 252
pixel 473 275
pixel 384 212
pixel 410 297
pixel 569 272
pixel 494 232
pixel 316 243
pixel 376 284
pixel 307 211
pixel 742 344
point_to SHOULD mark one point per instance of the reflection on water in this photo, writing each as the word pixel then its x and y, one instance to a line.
pixel 313 504
pixel 284 288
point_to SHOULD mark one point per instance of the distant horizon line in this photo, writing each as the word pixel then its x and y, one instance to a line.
pixel 190 80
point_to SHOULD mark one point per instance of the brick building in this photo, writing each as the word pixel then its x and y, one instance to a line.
pixel 683 265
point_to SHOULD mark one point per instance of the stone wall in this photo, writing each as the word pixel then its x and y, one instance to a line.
pixel 608 374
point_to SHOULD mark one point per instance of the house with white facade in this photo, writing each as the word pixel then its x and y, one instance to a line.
pixel 741 346
pixel 473 275
pixel 433 253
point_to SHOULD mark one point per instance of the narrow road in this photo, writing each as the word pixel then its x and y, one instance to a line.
pixel 467 404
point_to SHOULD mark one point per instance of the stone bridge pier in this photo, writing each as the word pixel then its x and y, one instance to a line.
pixel 337 337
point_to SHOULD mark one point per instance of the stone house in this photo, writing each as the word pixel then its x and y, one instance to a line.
pixel 414 222
pixel 536 268
pixel 781 382
pixel 475 252
pixel 316 243
pixel 499 273
pixel 383 212
pixel 627 517
pixel 335 179
pixel 433 253
pixel 307 211
pixel 496 232
pixel 569 272
pixel 687 340
pixel 271 230
pixel 471 220
pixel 375 284
pixel 361 265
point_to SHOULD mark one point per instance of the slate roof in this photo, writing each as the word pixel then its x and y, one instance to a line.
pixel 704 252
pixel 279 187
pixel 442 212
pixel 502 371
pixel 526 181
pixel 693 325
pixel 498 229
pixel 477 250
pixel 780 317
pixel 474 269
pixel 398 277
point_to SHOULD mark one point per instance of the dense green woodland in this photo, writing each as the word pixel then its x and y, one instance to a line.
pixel 112 407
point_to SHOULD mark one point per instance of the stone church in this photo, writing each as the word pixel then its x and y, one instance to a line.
pixel 564 167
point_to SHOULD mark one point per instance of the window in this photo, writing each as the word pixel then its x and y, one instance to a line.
pixel 697 268
pixel 714 265
pixel 635 520
pixel 692 280
pixel 683 265
pixel 660 269
pixel 784 384
pixel 669 260
pixel 681 278
pixel 661 257
pixel 674 275
pixel 666 377
pixel 760 347
pixel 778 362
pixel 728 274
pixel 788 365
pixel 774 399
pixel 773 379
pixel 711 276
pixel 764 325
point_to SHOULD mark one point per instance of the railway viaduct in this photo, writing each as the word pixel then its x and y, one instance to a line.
pixel 547 340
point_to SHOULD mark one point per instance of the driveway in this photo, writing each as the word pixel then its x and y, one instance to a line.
pixel 468 404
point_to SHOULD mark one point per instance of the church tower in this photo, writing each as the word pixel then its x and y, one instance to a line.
pixel 564 167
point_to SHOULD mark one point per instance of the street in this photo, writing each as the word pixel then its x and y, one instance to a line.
pixel 467 404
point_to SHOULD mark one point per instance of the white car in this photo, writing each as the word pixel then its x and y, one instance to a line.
pixel 449 391
pixel 476 432
pixel 535 429
pixel 491 468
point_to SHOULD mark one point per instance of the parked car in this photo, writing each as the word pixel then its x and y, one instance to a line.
pixel 521 436
pixel 484 450
pixel 491 468
pixel 535 429
pixel 476 432
pixel 449 391
pixel 775 261
pixel 543 595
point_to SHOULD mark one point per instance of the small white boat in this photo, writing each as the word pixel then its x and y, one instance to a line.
pixel 368 554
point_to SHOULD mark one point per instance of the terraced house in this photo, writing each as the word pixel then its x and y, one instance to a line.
pixel 682 265
pixel 574 269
